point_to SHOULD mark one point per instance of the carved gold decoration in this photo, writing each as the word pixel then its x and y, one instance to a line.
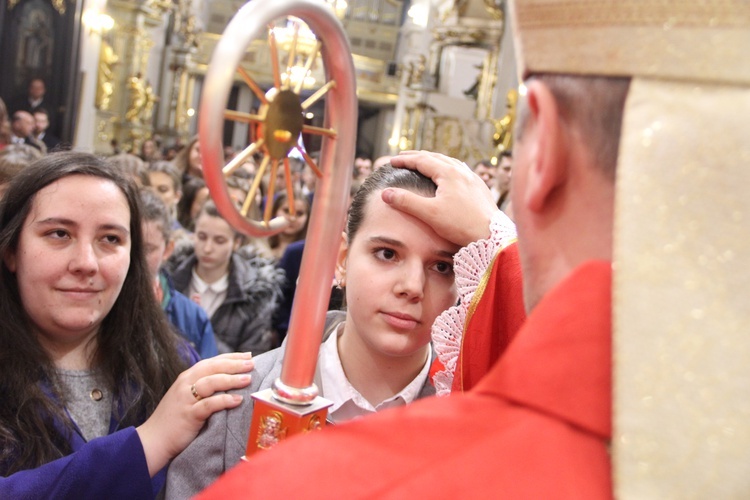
pixel 502 139
pixel 189 31
pixel 137 92
pixel 159 6
pixel 151 99
pixel 457 8
pixel 495 8
pixel 59 5
pixel 105 78
pixel 315 423
pixel 270 430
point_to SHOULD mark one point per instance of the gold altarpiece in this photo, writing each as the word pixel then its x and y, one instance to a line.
pixel 433 113
pixel 127 93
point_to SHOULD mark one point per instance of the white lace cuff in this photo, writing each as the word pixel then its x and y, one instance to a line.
pixel 469 265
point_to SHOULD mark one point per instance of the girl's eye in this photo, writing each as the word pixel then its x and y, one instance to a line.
pixel 112 239
pixel 220 241
pixel 444 268
pixel 385 253
pixel 58 233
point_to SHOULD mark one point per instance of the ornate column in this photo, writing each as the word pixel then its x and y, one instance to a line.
pixel 125 96
pixel 448 96
pixel 180 63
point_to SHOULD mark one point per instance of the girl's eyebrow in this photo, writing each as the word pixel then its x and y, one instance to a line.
pixel 387 241
pixel 70 223
pixel 398 244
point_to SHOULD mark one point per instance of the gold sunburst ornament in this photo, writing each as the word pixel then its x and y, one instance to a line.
pixel 279 122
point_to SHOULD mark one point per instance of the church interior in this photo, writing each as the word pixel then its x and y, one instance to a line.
pixel 430 74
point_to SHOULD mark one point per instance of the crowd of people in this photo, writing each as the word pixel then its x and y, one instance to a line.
pixel 136 321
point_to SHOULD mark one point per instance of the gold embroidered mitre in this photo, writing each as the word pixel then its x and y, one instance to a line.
pixel 682 248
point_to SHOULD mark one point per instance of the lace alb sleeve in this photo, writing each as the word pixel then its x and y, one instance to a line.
pixel 469 265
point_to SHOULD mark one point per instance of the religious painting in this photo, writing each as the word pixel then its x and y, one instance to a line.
pixel 36 35
pixel 40 39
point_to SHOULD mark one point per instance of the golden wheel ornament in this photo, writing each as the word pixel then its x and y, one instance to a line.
pixel 280 118
pixel 278 125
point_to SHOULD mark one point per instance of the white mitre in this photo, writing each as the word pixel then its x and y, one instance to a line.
pixel 682 246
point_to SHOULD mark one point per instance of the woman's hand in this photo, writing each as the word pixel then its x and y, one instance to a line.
pixel 462 207
pixel 189 402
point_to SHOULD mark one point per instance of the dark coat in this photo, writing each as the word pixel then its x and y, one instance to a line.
pixel 243 321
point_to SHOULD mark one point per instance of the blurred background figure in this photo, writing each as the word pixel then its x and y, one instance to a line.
pixel 13 159
pixel 185 315
pixel 297 229
pixel 362 167
pixel 22 130
pixel 194 194
pixel 166 182
pixel 132 166
pixel 150 151
pixel 188 160
pixel 487 171
pixel 34 100
pixel 501 189
pixel 41 132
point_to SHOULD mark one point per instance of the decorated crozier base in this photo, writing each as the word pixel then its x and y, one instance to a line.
pixel 274 421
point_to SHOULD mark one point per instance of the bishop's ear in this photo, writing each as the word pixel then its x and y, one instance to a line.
pixel 547 146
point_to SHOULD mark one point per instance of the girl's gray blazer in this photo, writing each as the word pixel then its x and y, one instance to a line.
pixel 221 444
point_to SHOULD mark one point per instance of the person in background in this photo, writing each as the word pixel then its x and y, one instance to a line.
pixel 487 172
pixel 36 98
pixel 13 159
pixel 362 167
pixel 185 315
pixel 309 183
pixel 194 195
pixel 502 182
pixel 88 362
pixel 150 151
pixel 397 275
pixel 132 166
pixel 166 181
pixel 170 152
pixel 22 131
pixel 238 289
pixel 41 132
pixel 188 161
pixel 297 228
